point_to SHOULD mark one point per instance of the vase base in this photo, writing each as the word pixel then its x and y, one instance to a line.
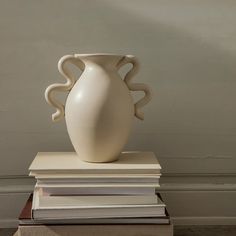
pixel 99 160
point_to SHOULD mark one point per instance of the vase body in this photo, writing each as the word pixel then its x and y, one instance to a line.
pixel 99 110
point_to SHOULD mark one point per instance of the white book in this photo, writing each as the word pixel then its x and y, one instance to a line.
pixel 95 190
pixel 99 179
pixel 70 163
pixel 65 176
pixel 74 201
pixel 97 185
pixel 41 201
pixel 102 211
pixel 93 176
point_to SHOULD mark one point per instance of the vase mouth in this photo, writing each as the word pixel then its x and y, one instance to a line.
pixel 102 59
pixel 97 54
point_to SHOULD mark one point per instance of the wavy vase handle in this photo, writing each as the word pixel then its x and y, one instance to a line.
pixel 58 87
pixel 136 86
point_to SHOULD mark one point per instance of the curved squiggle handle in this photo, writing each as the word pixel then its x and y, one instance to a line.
pixel 136 86
pixel 70 81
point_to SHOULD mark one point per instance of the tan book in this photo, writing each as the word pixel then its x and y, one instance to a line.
pixel 69 163
pixel 98 230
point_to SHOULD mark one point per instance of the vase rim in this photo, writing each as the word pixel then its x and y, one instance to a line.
pixel 97 54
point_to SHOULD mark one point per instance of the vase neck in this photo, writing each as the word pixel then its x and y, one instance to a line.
pixel 102 60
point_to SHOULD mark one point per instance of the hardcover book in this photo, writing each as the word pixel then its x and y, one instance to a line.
pixel 26 219
pixel 68 162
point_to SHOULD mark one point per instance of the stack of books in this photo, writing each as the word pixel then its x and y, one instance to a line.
pixel 70 191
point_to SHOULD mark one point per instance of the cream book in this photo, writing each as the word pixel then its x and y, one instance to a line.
pixel 97 185
pixel 101 211
pixel 97 178
pixel 41 201
pixel 99 182
pixel 54 176
pixel 83 190
pixel 69 162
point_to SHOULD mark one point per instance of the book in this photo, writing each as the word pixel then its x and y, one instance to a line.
pixel 100 211
pixel 26 219
pixel 65 176
pixel 45 202
pixel 98 185
pixel 50 201
pixel 164 220
pixel 58 179
pixel 96 190
pixel 98 230
pixel 69 162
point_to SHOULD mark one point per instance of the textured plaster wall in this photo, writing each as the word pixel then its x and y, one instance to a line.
pixel 187 51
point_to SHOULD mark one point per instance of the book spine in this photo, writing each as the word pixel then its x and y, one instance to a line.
pixel 70 201
pixel 97 190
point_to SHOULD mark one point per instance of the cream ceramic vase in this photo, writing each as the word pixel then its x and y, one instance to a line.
pixel 99 109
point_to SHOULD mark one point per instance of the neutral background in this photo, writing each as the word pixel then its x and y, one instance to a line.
pixel 187 50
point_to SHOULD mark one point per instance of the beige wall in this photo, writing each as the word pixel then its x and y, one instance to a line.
pixel 187 49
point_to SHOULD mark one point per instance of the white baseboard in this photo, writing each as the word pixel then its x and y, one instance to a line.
pixel 192 199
